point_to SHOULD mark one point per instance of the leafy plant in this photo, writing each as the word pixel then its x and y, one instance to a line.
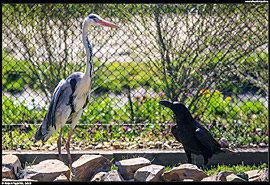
pixel 198 50
pixel 102 121
pixel 235 168
pixel 26 164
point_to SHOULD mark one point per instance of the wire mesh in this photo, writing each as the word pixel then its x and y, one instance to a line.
pixel 212 57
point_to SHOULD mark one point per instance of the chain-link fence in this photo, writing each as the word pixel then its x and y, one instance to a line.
pixel 212 57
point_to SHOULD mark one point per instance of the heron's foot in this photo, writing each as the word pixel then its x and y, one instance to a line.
pixel 73 176
pixel 72 170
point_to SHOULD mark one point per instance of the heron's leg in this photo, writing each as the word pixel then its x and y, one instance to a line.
pixel 75 119
pixel 63 121
pixel 68 146
pixel 59 144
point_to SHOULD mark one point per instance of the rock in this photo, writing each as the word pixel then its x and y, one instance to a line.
pixel 99 177
pixel 257 176
pixel 33 148
pixel 52 147
pixel 243 175
pixel 166 146
pixel 107 144
pixel 151 172
pixel 130 180
pixel 124 144
pixel 99 146
pixel 262 145
pixel 111 176
pixel 87 165
pixel 176 144
pixel 116 145
pixel 220 176
pixel 24 180
pixel 46 170
pixel 251 145
pixel 188 180
pixel 158 144
pixel 264 176
pixel 184 171
pixel 151 147
pixel 128 167
pixel 27 180
pixel 61 178
pixel 234 178
pixel 253 175
pixel 224 143
pixel 76 148
pixel 87 147
pixel 135 146
pixel 11 166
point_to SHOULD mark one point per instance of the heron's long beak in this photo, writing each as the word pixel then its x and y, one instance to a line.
pixel 107 23
pixel 166 103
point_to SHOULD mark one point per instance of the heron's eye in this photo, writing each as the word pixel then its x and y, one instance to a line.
pixel 95 20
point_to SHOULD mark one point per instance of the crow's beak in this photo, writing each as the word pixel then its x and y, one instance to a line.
pixel 166 103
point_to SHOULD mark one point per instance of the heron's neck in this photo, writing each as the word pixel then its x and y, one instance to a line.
pixel 89 70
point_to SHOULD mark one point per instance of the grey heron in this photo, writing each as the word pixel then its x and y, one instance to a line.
pixel 71 95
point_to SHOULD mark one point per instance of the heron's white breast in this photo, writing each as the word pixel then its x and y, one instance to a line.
pixel 81 94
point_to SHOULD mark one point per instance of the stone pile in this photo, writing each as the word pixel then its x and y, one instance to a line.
pixel 85 145
pixel 117 145
pixel 10 166
pixel 98 169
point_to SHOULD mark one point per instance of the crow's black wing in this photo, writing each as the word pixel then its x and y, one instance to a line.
pixel 206 139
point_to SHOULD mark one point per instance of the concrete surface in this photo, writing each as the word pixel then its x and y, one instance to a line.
pixel 162 157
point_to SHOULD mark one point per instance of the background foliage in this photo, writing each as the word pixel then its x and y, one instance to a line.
pixel 212 57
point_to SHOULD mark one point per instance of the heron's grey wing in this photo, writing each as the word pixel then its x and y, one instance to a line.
pixel 49 119
pixel 205 137
pixel 55 99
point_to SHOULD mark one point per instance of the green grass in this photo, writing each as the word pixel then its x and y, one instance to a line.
pixel 112 77
pixel 116 76
pixel 234 168
pixel 120 75
pixel 14 74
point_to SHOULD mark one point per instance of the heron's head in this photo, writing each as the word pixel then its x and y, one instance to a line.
pixel 96 20
pixel 180 110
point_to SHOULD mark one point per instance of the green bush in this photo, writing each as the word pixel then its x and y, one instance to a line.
pixel 103 121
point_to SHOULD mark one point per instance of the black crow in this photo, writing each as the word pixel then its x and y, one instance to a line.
pixel 193 136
